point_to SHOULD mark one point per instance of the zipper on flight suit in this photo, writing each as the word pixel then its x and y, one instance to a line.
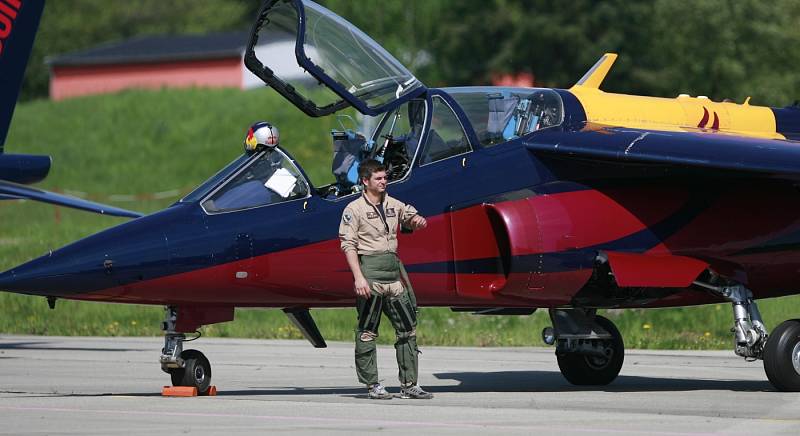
pixel 381 214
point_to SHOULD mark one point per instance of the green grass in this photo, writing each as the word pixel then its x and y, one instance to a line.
pixel 140 143
pixel 704 327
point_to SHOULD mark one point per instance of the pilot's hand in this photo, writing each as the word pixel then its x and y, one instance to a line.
pixel 362 287
pixel 418 222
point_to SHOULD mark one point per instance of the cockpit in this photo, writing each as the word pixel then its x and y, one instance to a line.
pixel 502 114
pixel 403 137
pixel 323 64
pixel 394 143
pixel 497 115
pixel 269 177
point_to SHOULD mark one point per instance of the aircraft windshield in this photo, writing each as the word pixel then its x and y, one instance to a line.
pixel 276 50
pixel 353 59
pixel 337 64
pixel 214 180
pixel 501 114
pixel 271 177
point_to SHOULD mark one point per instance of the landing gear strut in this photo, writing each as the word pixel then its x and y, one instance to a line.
pixel 589 347
pixel 185 367
pixel 750 332
pixel 779 350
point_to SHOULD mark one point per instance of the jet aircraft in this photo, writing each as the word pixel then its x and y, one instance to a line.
pixel 568 200
pixel 19 20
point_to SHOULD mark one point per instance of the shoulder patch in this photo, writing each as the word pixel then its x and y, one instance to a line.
pixel 347 217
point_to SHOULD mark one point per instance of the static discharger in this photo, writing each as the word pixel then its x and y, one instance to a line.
pixel 187 391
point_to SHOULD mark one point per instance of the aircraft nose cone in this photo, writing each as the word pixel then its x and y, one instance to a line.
pixel 108 259
pixel 37 277
pixel 74 269
pixel 6 280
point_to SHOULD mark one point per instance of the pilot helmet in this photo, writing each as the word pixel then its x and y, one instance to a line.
pixel 260 136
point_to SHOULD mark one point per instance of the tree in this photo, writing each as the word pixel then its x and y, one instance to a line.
pixel 720 48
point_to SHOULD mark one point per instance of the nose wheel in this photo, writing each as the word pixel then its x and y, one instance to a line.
pixel 186 367
pixel 196 371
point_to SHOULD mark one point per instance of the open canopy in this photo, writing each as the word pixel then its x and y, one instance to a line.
pixel 338 64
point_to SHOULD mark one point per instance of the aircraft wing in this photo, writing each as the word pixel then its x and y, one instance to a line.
pixel 14 191
pixel 701 149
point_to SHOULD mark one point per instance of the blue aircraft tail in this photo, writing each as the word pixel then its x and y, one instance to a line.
pixel 19 20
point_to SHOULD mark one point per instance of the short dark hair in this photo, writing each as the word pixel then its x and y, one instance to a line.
pixel 369 167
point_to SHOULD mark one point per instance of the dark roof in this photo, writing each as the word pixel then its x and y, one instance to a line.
pixel 156 48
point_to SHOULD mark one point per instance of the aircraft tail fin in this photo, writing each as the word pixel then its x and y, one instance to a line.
pixel 19 20
pixel 594 77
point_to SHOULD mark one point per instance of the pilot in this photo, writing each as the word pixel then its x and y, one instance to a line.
pixel 368 234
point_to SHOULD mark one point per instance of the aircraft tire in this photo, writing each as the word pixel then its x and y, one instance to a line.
pixel 781 347
pixel 583 370
pixel 196 373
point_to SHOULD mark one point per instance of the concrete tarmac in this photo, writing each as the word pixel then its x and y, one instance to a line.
pixel 100 386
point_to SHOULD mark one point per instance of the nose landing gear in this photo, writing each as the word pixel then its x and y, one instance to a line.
pixel 196 371
pixel 186 367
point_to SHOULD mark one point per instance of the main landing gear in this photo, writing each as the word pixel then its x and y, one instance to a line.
pixel 589 347
pixel 185 367
pixel 780 350
pixel 590 350
pixel 782 356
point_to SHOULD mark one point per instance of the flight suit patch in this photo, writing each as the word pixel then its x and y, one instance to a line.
pixel 347 218
pixel 390 212
pixel 372 215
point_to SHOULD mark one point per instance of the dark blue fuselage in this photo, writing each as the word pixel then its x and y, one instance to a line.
pixel 184 238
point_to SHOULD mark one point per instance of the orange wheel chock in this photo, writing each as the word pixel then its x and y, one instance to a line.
pixel 179 391
pixel 186 391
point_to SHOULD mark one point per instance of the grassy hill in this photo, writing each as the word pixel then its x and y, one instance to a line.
pixel 142 150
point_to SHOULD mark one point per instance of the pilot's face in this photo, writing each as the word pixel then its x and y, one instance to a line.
pixel 376 183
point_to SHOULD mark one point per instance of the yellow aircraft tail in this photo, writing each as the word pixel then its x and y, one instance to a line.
pixel 673 114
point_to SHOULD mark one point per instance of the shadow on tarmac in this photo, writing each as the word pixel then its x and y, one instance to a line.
pixel 503 381
pixel 20 394
pixel 553 381
pixel 528 381
pixel 536 381
pixel 43 345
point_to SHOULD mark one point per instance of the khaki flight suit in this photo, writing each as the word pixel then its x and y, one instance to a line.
pixel 373 236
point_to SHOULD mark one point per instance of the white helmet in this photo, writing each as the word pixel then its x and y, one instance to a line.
pixel 261 135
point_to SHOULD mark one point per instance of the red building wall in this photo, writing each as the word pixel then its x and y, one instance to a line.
pixel 72 81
